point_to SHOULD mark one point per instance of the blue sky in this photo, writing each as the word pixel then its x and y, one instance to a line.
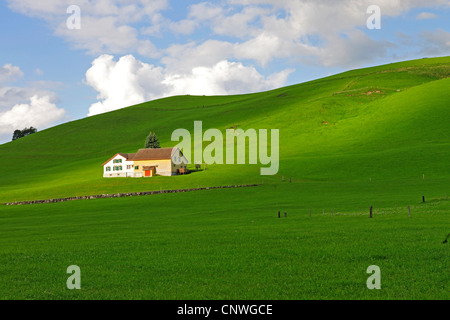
pixel 127 52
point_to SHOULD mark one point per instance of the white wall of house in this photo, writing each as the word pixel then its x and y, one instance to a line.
pixel 127 168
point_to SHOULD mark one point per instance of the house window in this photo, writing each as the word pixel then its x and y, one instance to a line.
pixel 108 168
pixel 136 168
pixel 128 167
pixel 120 168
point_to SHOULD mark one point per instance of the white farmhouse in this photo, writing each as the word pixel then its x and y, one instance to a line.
pixel 121 165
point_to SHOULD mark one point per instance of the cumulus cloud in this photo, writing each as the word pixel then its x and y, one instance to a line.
pixel 122 83
pixel 363 49
pixel 224 78
pixel 183 58
pixel 23 107
pixel 107 35
pixel 129 81
pixel 435 42
pixel 9 73
pixel 10 96
pixel 257 30
pixel 38 112
pixel 106 25
pixel 267 30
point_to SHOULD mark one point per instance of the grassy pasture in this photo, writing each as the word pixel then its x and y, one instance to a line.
pixel 227 244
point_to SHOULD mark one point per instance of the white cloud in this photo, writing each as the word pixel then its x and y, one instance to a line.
pixel 262 49
pixel 10 96
pixel 129 81
pixel 123 83
pixel 224 78
pixel 9 73
pixel 106 35
pixel 241 24
pixel 106 25
pixel 39 112
pixel 356 48
pixel 321 32
pixel 426 16
pixel 183 58
pixel 264 30
pixel 41 9
pixel 435 43
pixel 204 11
pixel 23 107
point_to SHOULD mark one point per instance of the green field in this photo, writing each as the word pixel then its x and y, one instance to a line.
pixel 371 137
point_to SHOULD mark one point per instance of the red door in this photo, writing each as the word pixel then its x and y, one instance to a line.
pixel 148 173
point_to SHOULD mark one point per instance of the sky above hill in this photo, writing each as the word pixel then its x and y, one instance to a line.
pixel 60 63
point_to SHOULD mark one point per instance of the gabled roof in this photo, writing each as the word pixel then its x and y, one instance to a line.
pixel 127 156
pixel 154 154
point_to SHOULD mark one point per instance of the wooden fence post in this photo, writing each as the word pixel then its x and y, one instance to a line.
pixel 371 211
pixel 409 211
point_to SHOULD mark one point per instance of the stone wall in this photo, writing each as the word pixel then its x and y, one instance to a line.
pixel 121 195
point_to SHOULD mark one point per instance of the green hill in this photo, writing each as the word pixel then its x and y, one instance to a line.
pixel 388 122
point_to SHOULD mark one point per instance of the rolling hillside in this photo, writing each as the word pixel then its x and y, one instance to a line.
pixel 388 122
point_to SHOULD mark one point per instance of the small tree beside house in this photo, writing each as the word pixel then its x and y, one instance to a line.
pixel 152 141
